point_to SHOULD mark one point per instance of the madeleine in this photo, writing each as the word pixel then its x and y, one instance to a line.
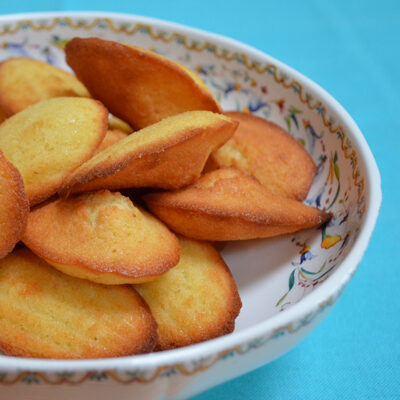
pixel 102 237
pixel 47 314
pixel 50 139
pixel 169 154
pixel 227 204
pixel 137 85
pixel 269 153
pixel 116 123
pixel 196 301
pixel 112 136
pixel 14 206
pixel 25 81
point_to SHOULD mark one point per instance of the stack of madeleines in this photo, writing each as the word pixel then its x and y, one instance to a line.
pixel 98 275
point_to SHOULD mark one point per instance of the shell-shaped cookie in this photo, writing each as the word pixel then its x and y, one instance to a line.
pixel 269 153
pixel 135 84
pixel 14 206
pixel 112 136
pixel 196 301
pixel 227 204
pixel 47 314
pixel 169 154
pixel 25 81
pixel 3 115
pixel 50 139
pixel 116 123
pixel 102 237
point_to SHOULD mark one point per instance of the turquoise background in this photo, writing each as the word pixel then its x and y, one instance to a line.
pixel 352 49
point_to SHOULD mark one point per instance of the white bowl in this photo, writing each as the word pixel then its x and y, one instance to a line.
pixel 288 284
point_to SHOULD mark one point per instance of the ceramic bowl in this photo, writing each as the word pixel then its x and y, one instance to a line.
pixel 287 284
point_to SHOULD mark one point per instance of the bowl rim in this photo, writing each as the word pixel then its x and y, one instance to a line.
pixel 329 289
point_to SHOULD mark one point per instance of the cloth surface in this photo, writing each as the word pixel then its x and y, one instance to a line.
pixel 352 49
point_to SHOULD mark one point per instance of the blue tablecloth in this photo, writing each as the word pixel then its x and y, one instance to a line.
pixel 352 49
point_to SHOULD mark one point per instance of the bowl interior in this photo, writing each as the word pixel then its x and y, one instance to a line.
pixel 272 274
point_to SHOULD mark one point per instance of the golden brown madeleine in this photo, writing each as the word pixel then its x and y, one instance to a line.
pixel 135 84
pixel 48 140
pixel 227 204
pixel 269 153
pixel 169 154
pixel 102 237
pixel 112 136
pixel 14 206
pixel 3 115
pixel 116 123
pixel 25 81
pixel 196 301
pixel 47 314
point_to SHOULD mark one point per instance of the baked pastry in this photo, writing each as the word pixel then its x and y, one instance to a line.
pixel 135 84
pixel 196 301
pixel 112 136
pixel 47 314
pixel 25 81
pixel 3 115
pixel 116 123
pixel 50 139
pixel 269 153
pixel 14 206
pixel 102 237
pixel 227 204
pixel 169 154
